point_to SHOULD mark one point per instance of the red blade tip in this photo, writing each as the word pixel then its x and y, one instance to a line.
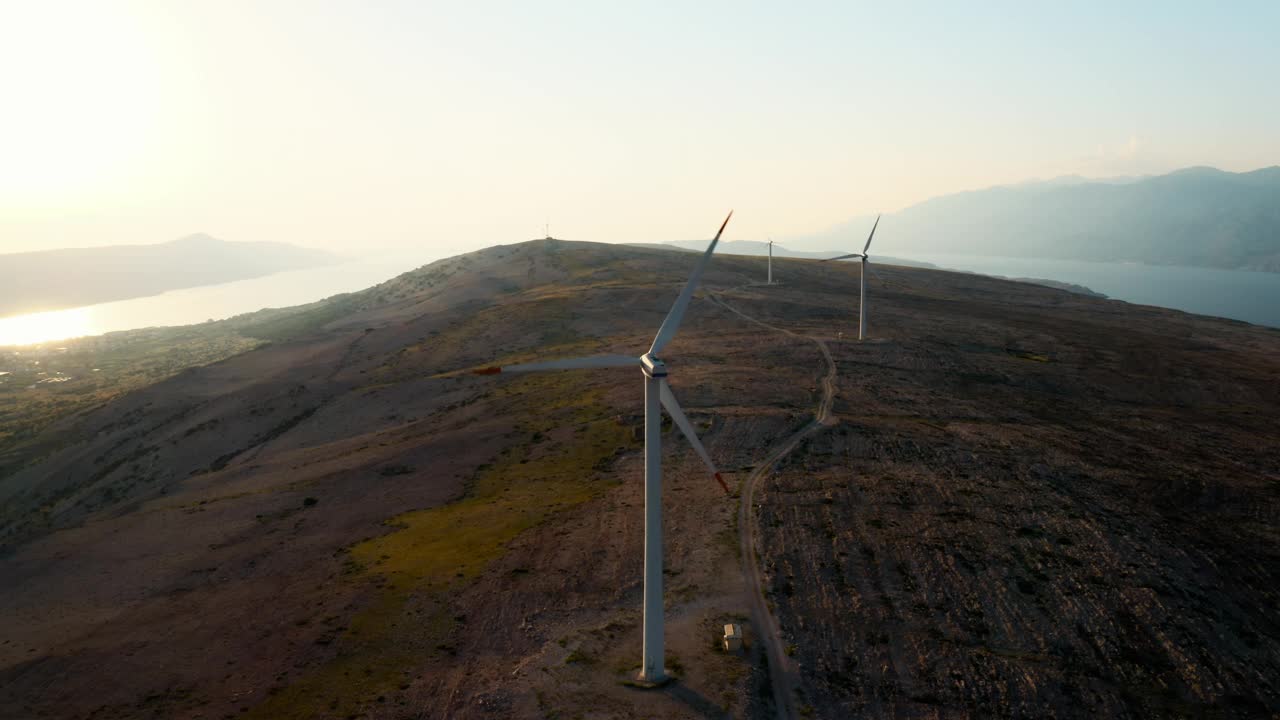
pixel 723 224
pixel 722 483
pixel 487 371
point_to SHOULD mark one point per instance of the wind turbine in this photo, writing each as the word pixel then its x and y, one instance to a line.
pixel 862 279
pixel 770 261
pixel 656 392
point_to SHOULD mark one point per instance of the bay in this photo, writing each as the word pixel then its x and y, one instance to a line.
pixel 210 302
pixel 1253 297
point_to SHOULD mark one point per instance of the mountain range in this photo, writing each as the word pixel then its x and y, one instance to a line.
pixel 72 277
pixel 1195 216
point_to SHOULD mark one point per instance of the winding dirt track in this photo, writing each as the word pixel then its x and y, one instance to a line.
pixel 782 672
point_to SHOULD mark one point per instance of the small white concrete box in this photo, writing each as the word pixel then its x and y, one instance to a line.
pixel 732 637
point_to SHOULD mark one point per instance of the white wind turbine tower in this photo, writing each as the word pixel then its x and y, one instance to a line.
pixel 656 393
pixel 770 261
pixel 862 279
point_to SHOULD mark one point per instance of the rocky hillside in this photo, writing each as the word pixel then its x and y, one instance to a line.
pixel 1026 503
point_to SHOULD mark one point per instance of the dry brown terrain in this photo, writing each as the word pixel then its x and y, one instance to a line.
pixel 1026 503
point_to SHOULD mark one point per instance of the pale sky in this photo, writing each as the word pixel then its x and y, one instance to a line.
pixel 347 125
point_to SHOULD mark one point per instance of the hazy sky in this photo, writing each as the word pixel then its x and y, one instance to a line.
pixel 363 124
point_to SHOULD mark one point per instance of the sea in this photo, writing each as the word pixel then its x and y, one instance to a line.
pixel 1253 297
pixel 211 302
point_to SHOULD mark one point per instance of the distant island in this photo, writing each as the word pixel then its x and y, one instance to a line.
pixel 73 277
pixel 1196 217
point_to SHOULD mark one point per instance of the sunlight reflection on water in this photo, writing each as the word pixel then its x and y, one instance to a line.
pixel 211 302
pixel 46 326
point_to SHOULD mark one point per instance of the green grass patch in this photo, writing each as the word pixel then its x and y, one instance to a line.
pixel 435 552
pixel 1034 357
pixel 577 656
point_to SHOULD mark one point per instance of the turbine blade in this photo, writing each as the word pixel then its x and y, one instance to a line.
pixel 672 323
pixel 873 234
pixel 682 422
pixel 844 257
pixel 582 363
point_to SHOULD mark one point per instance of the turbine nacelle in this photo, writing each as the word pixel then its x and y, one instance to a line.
pixel 653 367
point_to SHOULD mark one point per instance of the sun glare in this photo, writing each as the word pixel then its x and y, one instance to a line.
pixel 46 327
pixel 81 96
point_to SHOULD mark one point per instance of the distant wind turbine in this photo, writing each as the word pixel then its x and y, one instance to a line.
pixel 862 279
pixel 656 392
pixel 770 261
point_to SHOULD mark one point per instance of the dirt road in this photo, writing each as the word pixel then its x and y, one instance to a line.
pixel 783 673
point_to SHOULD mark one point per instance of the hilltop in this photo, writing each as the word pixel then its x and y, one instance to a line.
pixel 1195 216
pixel 1025 502
pixel 72 277
pixel 760 249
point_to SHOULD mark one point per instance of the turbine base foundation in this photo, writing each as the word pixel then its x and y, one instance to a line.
pixel 644 683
